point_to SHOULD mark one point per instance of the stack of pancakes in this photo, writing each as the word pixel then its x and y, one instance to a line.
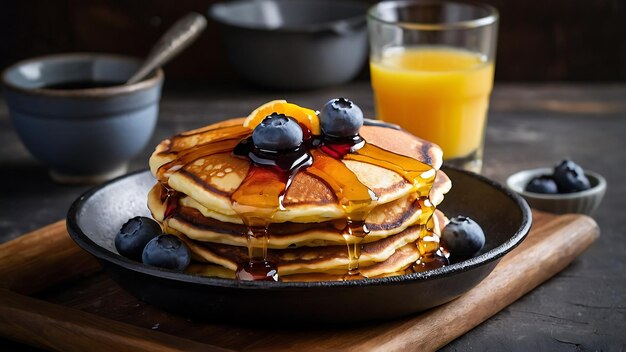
pixel 305 237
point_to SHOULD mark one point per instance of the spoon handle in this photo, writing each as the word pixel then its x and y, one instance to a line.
pixel 177 38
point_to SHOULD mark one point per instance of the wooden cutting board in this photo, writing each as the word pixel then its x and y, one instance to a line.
pixel 54 296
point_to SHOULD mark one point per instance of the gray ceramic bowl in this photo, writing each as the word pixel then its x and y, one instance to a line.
pixel 585 202
pixel 84 135
pixel 294 44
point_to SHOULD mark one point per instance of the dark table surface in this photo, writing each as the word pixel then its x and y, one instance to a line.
pixel 581 309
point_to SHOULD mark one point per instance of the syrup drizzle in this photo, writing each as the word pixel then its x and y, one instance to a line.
pixel 420 175
pixel 260 195
pixel 355 198
pixel 422 178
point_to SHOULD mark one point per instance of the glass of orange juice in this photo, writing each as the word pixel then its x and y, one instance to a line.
pixel 432 65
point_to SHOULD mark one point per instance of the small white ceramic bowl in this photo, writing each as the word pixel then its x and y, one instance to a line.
pixel 584 202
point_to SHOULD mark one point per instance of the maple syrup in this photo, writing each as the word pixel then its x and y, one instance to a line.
pixel 430 262
pixel 420 175
pixel 260 195
pixel 169 198
pixel 257 271
pixel 354 197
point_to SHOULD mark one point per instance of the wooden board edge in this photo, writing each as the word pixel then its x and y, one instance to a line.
pixel 43 258
pixel 49 326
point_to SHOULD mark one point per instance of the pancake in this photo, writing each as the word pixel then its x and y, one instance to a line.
pixel 441 186
pixel 372 205
pixel 402 259
pixel 306 259
pixel 378 259
pixel 201 224
pixel 211 181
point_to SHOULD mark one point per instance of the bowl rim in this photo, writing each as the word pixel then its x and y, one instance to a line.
pixel 527 174
pixel 338 26
pixel 103 254
pixel 146 83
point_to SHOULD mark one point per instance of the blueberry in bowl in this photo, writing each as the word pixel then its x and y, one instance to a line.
pixel 542 184
pixel 570 177
pixel 565 188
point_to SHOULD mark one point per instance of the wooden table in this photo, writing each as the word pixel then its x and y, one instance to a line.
pixel 582 308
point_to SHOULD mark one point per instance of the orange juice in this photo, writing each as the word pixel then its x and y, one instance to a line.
pixel 437 93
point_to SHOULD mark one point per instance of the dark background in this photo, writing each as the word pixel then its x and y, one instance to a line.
pixel 549 40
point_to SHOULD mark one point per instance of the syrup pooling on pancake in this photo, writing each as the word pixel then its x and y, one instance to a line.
pixel 260 194
pixel 420 175
pixel 355 198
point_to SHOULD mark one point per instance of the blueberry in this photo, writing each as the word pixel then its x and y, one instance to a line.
pixel 167 251
pixel 542 184
pixel 463 236
pixel 134 235
pixel 570 177
pixel 277 132
pixel 341 118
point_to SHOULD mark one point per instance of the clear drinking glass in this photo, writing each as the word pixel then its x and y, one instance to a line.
pixel 432 65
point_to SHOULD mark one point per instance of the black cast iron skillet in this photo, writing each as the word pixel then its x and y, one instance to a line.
pixel 94 219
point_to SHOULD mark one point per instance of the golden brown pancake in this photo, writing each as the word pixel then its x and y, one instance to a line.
pixel 378 259
pixel 306 234
pixel 211 181
pixel 384 220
